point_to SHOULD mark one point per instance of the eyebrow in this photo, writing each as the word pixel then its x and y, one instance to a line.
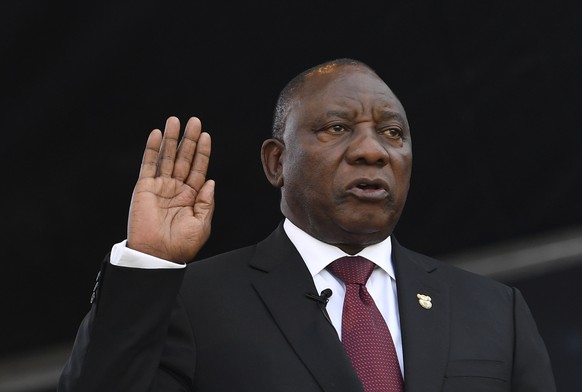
pixel 384 115
pixel 335 113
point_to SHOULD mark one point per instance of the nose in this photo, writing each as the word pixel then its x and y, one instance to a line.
pixel 367 147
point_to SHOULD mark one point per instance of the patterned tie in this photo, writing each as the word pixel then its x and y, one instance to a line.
pixel 365 335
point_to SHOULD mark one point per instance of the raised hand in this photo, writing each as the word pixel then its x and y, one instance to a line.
pixel 172 203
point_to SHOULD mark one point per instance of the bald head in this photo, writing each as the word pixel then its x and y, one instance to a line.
pixel 289 92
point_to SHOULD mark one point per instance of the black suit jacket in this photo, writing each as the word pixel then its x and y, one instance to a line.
pixel 241 321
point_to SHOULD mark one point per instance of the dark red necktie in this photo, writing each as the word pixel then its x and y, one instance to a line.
pixel 365 335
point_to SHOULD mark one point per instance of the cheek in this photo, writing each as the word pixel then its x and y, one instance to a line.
pixel 402 167
pixel 307 167
pixel 308 180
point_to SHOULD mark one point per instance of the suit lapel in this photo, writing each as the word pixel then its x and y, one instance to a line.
pixel 282 288
pixel 425 332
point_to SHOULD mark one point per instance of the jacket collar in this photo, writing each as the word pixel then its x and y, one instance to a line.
pixel 425 331
pixel 283 288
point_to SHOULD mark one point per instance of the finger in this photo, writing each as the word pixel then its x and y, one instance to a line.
pixel 149 162
pixel 168 149
pixel 197 176
pixel 186 149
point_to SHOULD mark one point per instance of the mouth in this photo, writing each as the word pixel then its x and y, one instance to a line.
pixel 369 189
pixel 366 186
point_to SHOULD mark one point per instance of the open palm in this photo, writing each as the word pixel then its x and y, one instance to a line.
pixel 172 203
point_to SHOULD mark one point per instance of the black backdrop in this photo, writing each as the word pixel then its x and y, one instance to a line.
pixel 492 92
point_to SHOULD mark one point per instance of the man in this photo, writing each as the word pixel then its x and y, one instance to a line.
pixel 252 319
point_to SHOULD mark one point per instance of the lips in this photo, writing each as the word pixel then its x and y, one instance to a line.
pixel 369 189
pixel 368 186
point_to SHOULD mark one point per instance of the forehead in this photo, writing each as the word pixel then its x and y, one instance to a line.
pixel 352 88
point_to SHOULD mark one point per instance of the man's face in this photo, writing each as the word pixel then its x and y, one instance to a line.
pixel 347 159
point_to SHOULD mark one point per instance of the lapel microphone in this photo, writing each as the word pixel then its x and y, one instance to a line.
pixel 323 298
pixel 322 301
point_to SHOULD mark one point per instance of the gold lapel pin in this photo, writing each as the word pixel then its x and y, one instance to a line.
pixel 424 300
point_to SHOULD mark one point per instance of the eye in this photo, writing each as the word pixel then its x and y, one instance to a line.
pixel 331 132
pixel 392 132
pixel 337 128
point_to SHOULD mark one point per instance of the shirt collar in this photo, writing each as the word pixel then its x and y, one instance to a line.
pixel 317 254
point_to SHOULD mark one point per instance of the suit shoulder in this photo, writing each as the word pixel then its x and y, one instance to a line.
pixel 453 274
pixel 229 259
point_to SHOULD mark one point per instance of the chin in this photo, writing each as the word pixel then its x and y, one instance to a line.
pixel 374 226
pixel 367 227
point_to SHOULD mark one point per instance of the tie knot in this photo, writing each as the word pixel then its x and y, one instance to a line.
pixel 352 269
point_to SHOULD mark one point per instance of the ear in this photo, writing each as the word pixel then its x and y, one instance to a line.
pixel 271 155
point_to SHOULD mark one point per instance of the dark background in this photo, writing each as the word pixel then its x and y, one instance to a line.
pixel 492 91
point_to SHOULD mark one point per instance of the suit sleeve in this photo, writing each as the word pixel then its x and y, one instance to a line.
pixel 532 370
pixel 135 338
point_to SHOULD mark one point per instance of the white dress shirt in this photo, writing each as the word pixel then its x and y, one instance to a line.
pixel 381 285
pixel 317 256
